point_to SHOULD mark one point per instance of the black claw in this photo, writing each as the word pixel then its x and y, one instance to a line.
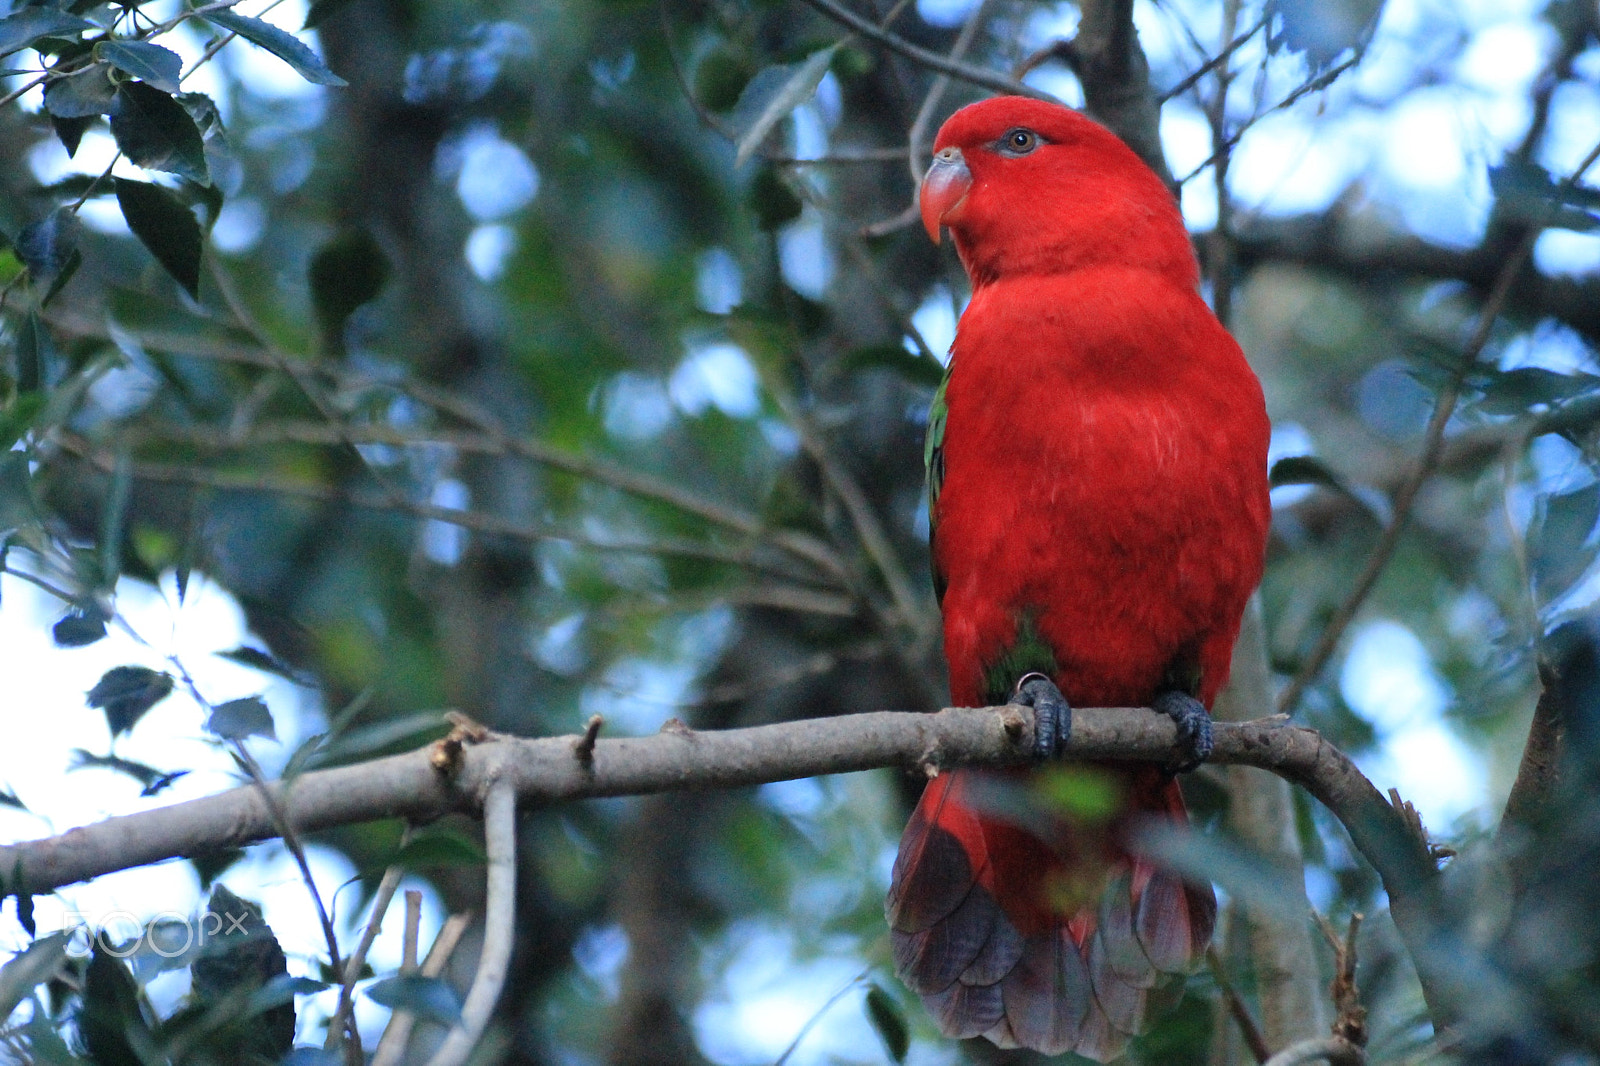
pixel 1194 728
pixel 1052 714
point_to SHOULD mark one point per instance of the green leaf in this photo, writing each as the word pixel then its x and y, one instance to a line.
pixel 31 968
pixel 70 131
pixel 46 247
pixel 438 848
pixel 772 95
pixel 148 62
pixel 286 46
pixel 1527 192
pixel 33 24
pixel 772 201
pixel 429 998
pixel 147 776
pixel 894 358
pixel 85 93
pixel 110 1021
pixel 125 693
pixel 79 628
pixel 1559 548
pixel 303 755
pixel 884 1012
pixel 155 132
pixel 346 272
pixel 33 354
pixel 164 226
pixel 113 516
pixel 239 955
pixel 1321 29
pixel 257 659
pixel 320 11
pixel 18 510
pixel 1513 392
pixel 238 719
pixel 11 799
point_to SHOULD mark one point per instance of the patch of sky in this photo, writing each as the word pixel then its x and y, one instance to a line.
pixel 51 681
pixel 1392 401
pixel 443 542
pixel 1574 117
pixel 488 249
pixel 935 318
pixel 611 73
pixel 1389 679
pixel 559 648
pixel 779 435
pixel 1567 253
pixel 718 281
pixel 764 994
pixel 600 952
pixel 1289 439
pixel 1288 165
pixel 240 226
pixel 1551 346
pixel 493 177
pixel 829 101
pixel 1433 169
pixel 946 14
pixel 470 69
pixel 801 798
pixel 635 406
pixel 637 696
pixel 715 375
pixel 804 255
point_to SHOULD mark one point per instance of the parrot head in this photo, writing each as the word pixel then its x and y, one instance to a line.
pixel 1026 186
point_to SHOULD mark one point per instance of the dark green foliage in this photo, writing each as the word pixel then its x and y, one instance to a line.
pixel 347 272
pixel 888 1018
pixel 285 46
pixel 23 28
pixel 79 628
pixel 125 693
pixel 240 991
pixel 111 1020
pixel 154 65
pixel 164 226
pixel 242 718
pixel 428 998
pixel 156 132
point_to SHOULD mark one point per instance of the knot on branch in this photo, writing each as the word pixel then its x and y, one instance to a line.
pixel 445 755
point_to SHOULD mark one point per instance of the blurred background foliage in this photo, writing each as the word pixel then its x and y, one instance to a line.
pixel 574 357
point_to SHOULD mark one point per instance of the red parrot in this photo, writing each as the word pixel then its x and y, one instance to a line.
pixel 1097 474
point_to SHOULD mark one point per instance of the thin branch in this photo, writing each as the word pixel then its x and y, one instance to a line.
pixel 358 957
pixel 392 1045
pixel 477 521
pixel 1331 1049
pixel 1406 495
pixel 500 842
pixel 1238 1009
pixel 979 76
pixel 1215 61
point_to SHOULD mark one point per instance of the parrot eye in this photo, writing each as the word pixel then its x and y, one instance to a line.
pixel 1018 142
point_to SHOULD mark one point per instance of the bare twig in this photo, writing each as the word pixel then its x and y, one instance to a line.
pixel 408 947
pixel 1329 1048
pixel 392 1045
pixel 358 957
pixel 1238 1009
pixel 500 842
pixel 979 76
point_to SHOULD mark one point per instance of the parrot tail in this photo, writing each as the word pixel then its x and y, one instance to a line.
pixel 1066 946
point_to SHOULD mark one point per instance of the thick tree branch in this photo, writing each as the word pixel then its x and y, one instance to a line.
pixel 448 776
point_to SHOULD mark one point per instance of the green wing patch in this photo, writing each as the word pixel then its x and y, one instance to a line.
pixel 933 461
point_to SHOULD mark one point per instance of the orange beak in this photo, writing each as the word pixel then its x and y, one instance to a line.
pixel 944 188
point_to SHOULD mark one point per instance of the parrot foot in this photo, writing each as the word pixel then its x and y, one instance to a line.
pixel 1052 714
pixel 1194 728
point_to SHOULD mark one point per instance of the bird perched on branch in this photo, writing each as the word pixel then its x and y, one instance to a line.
pixel 1097 481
